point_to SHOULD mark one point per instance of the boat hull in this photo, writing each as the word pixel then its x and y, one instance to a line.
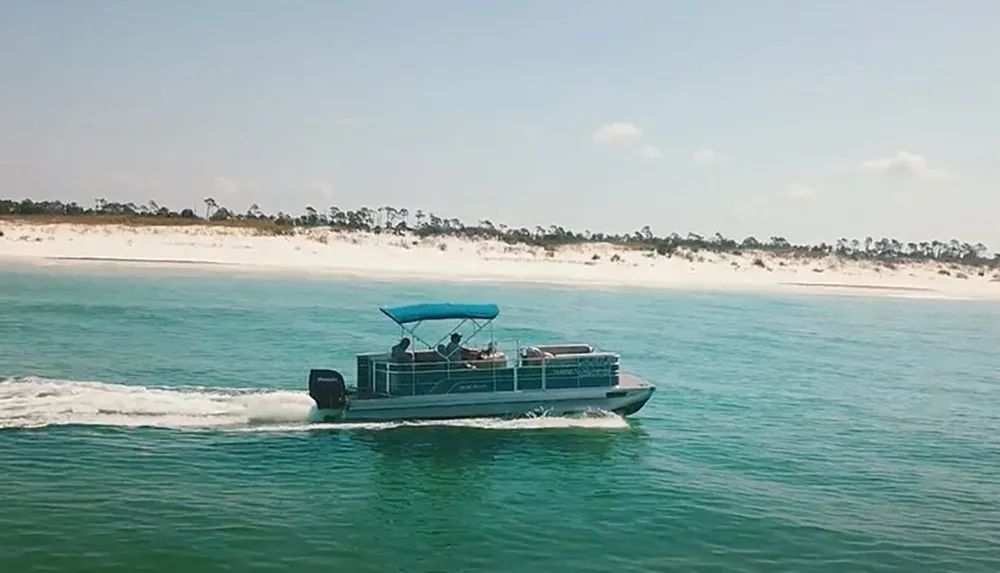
pixel 625 399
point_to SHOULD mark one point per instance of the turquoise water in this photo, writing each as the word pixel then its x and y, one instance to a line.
pixel 158 422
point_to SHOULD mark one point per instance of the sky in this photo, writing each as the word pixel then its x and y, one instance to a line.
pixel 808 120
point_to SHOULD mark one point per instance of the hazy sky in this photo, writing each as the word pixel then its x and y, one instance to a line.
pixel 808 119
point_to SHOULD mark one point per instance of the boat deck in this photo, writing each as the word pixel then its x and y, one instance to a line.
pixel 628 381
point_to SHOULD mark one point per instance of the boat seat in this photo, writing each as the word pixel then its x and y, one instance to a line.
pixel 534 355
pixel 495 360
pixel 558 349
pixel 427 356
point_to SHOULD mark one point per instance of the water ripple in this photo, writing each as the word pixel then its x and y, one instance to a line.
pixel 160 425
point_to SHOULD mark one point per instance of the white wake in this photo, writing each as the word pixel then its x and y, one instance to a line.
pixel 32 402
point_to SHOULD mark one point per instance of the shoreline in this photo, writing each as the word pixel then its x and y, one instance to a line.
pixel 451 259
pixel 140 261
pixel 862 286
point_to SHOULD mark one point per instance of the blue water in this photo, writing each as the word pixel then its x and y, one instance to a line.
pixel 157 421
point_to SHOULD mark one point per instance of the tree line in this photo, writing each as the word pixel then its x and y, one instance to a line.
pixel 425 224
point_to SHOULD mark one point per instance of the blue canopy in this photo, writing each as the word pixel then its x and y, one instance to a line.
pixel 440 311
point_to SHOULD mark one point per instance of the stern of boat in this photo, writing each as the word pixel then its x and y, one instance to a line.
pixel 329 391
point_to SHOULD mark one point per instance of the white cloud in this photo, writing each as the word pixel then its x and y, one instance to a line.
pixel 227 185
pixel 800 191
pixel 322 188
pixel 628 134
pixel 903 164
pixel 650 152
pixel 616 133
pixel 706 157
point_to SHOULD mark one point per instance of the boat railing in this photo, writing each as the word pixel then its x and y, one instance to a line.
pixel 495 373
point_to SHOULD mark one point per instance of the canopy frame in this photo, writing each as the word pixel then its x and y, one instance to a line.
pixel 409 319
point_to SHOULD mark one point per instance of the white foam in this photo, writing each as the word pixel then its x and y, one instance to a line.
pixel 33 402
pixel 597 421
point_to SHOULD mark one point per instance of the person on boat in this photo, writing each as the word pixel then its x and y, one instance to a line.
pixel 399 353
pixel 453 351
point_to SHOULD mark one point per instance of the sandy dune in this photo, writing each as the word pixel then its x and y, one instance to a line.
pixel 232 249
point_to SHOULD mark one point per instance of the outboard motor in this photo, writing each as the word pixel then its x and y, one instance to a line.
pixel 328 390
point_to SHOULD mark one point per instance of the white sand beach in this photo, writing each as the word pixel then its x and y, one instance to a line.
pixel 234 249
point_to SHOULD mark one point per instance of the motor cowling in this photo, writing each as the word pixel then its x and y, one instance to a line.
pixel 327 389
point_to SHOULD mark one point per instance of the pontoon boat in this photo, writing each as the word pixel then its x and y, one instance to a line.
pixel 438 384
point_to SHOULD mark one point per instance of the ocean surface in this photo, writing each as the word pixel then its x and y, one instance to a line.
pixel 158 421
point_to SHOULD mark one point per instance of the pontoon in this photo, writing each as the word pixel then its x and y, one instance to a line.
pixel 433 384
